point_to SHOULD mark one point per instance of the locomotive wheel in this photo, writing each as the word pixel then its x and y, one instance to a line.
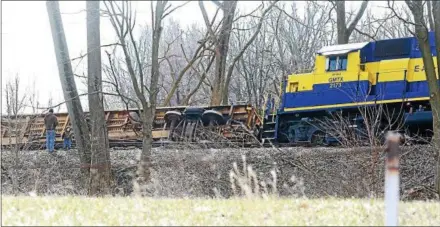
pixel 318 139
pixel 291 134
pixel 283 133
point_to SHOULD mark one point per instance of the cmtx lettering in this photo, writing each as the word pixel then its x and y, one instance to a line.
pixel 419 68
pixel 335 82
pixel 335 79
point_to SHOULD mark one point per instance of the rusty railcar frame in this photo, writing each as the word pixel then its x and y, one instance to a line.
pixel 28 130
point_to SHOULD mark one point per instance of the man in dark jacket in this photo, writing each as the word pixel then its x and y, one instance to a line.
pixel 51 122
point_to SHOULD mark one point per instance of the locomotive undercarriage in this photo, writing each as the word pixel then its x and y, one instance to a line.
pixel 359 126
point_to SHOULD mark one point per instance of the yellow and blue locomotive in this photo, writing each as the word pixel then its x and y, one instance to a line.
pixel 387 73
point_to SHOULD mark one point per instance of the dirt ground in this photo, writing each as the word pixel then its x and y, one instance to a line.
pixel 310 172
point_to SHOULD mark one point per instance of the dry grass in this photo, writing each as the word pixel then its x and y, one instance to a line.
pixel 147 211
pixel 202 173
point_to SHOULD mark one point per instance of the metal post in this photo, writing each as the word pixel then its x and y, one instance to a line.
pixel 392 179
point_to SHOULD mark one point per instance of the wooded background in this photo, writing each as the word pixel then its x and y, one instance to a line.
pixel 233 58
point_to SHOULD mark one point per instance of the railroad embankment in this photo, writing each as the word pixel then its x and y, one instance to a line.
pixel 311 172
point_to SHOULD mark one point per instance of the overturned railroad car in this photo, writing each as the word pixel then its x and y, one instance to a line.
pixel 237 124
pixel 359 87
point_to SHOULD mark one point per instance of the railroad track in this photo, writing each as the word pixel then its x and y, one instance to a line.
pixel 129 145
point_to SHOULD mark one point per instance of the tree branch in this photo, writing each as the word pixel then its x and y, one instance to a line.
pixel 182 73
pixel 84 55
pixel 219 4
pixel 358 17
pixel 202 79
pixel 231 67
pixel 206 20
pixel 175 8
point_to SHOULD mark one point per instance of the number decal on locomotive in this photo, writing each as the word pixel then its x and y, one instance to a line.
pixel 335 85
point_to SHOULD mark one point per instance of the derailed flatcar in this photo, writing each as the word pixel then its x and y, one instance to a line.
pixel 236 124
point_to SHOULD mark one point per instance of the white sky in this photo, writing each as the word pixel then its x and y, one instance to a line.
pixel 27 48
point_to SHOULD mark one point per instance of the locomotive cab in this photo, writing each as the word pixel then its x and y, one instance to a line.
pixel 337 78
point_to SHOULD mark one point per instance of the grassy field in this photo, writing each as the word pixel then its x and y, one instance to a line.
pixel 144 211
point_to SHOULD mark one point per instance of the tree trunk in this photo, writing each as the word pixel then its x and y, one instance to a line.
pixel 434 90
pixel 100 170
pixel 76 114
pixel 344 32
pixel 143 170
pixel 221 52
pixel 436 14
pixel 430 16
pixel 340 22
pixel 149 111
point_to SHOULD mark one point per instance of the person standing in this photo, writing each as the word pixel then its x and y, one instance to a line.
pixel 51 122
pixel 67 137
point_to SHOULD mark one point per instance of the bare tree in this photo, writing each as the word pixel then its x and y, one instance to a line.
pixel 123 21
pixel 284 50
pixel 225 89
pixel 14 105
pixel 344 32
pixel 100 170
pixel 372 27
pixel 198 53
pixel 222 77
pixel 221 43
pixel 291 28
pixel 15 126
pixel 201 80
pixel 76 114
pixel 255 69
pixel 33 99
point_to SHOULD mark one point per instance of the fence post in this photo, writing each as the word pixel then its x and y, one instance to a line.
pixel 392 183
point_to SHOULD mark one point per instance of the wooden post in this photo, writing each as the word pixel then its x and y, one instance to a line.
pixel 392 179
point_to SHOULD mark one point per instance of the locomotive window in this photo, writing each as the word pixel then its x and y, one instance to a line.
pixel 333 64
pixel 336 63
pixel 343 63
